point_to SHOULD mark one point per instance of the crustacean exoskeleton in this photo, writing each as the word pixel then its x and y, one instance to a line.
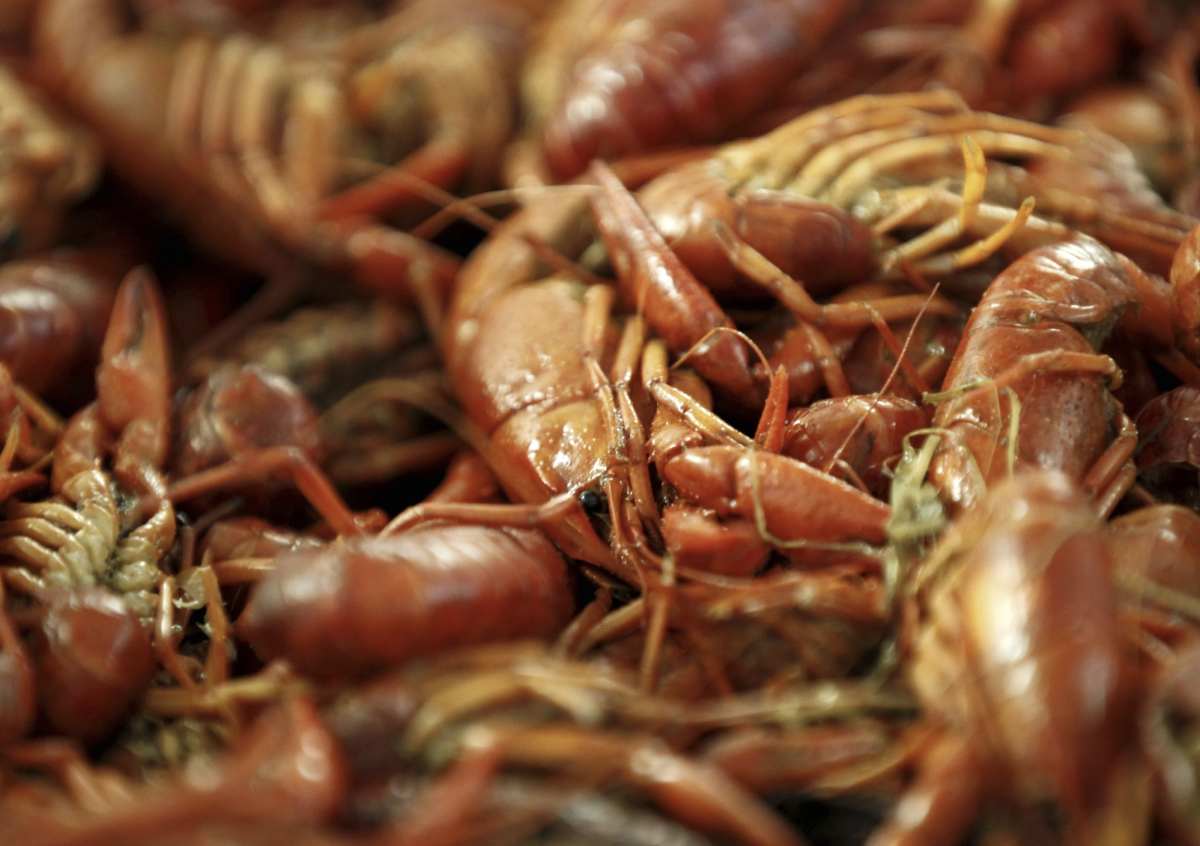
pixel 405 595
pixel 93 659
pixel 286 765
pixel 46 165
pixel 1154 554
pixel 191 120
pixel 84 537
pixel 1018 654
pixel 1168 731
pixel 1167 456
pixel 451 68
pixel 1027 387
pixel 853 437
pixel 1156 114
pixel 280 385
pixel 1014 57
pixel 55 309
pixel 607 78
pixel 817 200
pixel 535 423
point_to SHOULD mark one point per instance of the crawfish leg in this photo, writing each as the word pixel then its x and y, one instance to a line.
pixel 633 341
pixel 394 264
pixel 503 515
pixel 627 441
pixel 772 423
pixel 654 377
pixel 1051 361
pixel 778 157
pixel 1113 474
pixel 939 808
pixel 168 630
pixel 564 507
pixel 675 303
pixel 271 461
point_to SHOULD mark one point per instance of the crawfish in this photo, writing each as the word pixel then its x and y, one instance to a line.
pixel 546 417
pixel 730 503
pixel 248 419
pixel 88 662
pixel 805 203
pixel 1157 115
pixel 855 437
pixel 84 537
pixel 16 681
pixel 526 711
pixel 1168 733
pixel 459 60
pixel 200 139
pixel 1185 292
pixel 1154 555
pixel 269 387
pixel 287 764
pixel 680 305
pixel 381 601
pixel 1167 459
pixel 1012 56
pixel 538 396
pixel 1019 656
pixel 839 153
pixel 46 164
pixel 757 485
pixel 456 583
pixel 759 633
pixel 93 661
pixel 1027 388
pixel 608 77
pixel 55 309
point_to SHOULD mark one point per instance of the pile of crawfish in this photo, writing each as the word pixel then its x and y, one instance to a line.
pixel 472 422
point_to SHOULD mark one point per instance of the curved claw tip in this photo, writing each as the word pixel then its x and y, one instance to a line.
pixel 133 379
pixel 137 307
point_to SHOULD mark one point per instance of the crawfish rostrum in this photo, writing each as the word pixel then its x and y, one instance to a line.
pixel 832 483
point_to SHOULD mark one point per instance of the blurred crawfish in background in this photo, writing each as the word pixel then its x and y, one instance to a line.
pixel 607 78
pixel 259 144
pixel 46 164
pixel 611 77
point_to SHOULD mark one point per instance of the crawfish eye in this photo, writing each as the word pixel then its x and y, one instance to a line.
pixel 591 502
